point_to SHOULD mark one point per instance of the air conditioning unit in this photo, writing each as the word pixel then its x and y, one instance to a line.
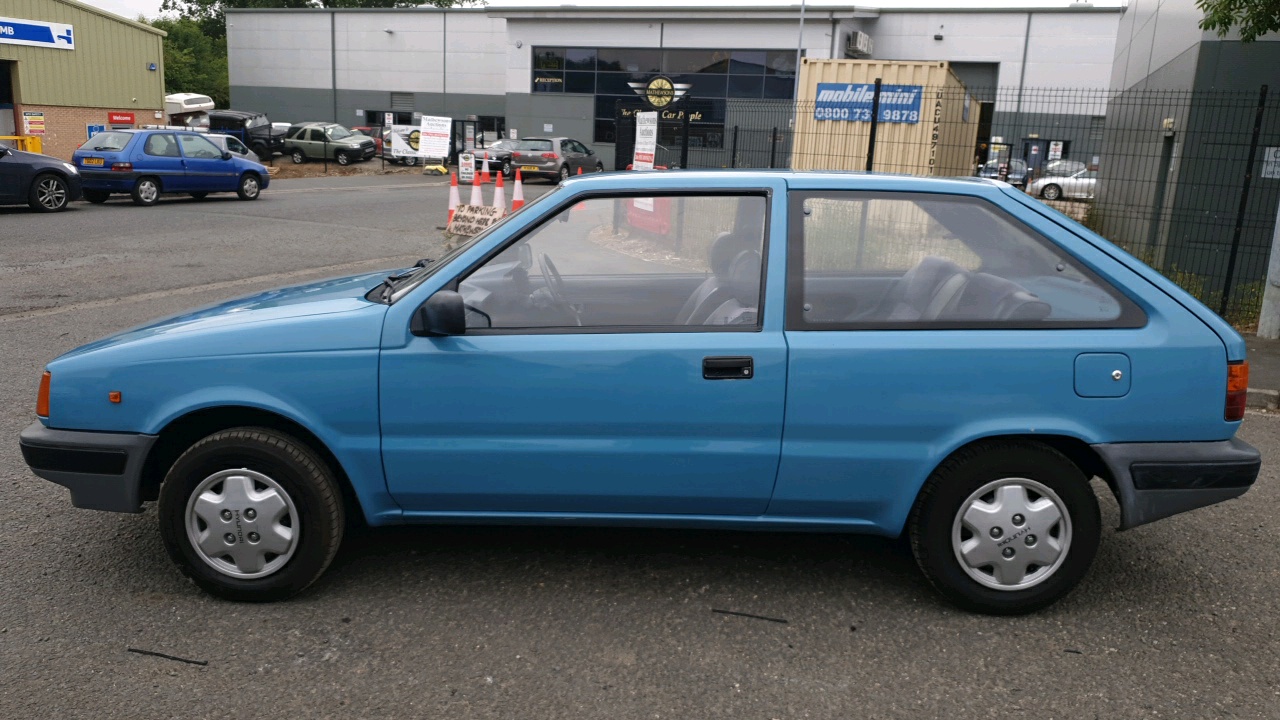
pixel 858 45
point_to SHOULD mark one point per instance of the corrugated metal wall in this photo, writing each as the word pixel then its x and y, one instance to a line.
pixel 108 68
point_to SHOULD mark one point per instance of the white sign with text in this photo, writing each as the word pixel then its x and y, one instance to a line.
pixel 646 141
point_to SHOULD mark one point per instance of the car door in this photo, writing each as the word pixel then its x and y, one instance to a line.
pixel 13 176
pixel 162 159
pixel 579 387
pixel 981 332
pixel 205 169
pixel 571 156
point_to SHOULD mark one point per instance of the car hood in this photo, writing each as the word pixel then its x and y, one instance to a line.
pixel 324 297
pixel 28 158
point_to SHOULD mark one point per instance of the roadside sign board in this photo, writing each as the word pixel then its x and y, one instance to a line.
pixel 406 141
pixel 433 136
pixel 466 168
pixel 121 118
pixel 388 119
pixel 1055 150
pixel 92 130
pixel 32 122
pixel 646 140
pixel 1271 163
pixel 471 220
pixel 36 33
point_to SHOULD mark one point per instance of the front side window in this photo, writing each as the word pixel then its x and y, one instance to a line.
pixel 161 146
pixel 910 260
pixel 236 146
pixel 198 148
pixel 628 264
pixel 315 134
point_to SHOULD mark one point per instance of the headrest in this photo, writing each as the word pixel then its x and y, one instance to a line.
pixel 723 251
pixel 744 278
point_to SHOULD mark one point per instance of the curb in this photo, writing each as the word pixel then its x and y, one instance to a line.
pixel 1263 399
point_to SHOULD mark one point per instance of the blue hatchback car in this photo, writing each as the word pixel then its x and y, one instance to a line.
pixel 147 163
pixel 948 359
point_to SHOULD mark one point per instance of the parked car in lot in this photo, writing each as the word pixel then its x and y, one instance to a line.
pixel 1017 171
pixel 232 144
pixel 554 157
pixel 946 359
pixel 1062 168
pixel 1079 186
pixel 369 132
pixel 499 155
pixel 147 163
pixel 44 183
pixel 318 141
pixel 252 128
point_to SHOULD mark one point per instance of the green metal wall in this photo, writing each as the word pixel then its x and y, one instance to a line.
pixel 107 69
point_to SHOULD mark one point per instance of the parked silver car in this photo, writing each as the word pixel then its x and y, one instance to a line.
pixel 1079 186
pixel 232 144
pixel 554 157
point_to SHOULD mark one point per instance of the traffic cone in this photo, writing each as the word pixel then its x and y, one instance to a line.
pixel 500 196
pixel 484 174
pixel 476 200
pixel 517 195
pixel 453 195
pixel 579 169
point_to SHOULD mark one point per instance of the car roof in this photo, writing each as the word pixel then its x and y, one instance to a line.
pixel 235 113
pixel 691 179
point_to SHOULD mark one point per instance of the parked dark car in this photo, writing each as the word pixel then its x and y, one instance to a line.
pixel 499 155
pixel 253 128
pixel 1017 171
pixel 554 157
pixel 45 183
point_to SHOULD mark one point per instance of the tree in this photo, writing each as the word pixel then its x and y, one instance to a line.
pixel 193 60
pixel 211 14
pixel 1251 18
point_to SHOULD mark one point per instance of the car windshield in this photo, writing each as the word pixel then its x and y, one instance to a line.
pixel 109 141
pixel 538 145
pixel 337 132
pixel 257 121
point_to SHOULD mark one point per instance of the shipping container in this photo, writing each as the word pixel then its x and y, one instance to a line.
pixel 928 122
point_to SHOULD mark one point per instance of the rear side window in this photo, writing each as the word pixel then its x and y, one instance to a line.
pixel 161 146
pixel 109 141
pixel 915 260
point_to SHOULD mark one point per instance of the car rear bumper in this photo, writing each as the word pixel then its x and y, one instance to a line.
pixel 1156 480
pixel 102 470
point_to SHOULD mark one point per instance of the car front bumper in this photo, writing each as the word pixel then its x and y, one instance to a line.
pixel 102 470
pixel 1156 480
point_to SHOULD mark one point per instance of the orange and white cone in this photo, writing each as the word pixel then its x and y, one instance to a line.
pixel 484 173
pixel 579 169
pixel 500 196
pixel 454 201
pixel 475 192
pixel 517 195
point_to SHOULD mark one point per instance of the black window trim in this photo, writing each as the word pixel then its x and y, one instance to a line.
pixel 1131 317
pixel 565 205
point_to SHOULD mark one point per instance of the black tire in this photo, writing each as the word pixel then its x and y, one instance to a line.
pixel 599 167
pixel 411 161
pixel 296 468
pixel 261 150
pixel 564 173
pixel 1051 192
pixel 97 197
pixel 48 193
pixel 507 170
pixel 199 195
pixel 297 156
pixel 342 157
pixel 146 191
pixel 250 187
pixel 966 472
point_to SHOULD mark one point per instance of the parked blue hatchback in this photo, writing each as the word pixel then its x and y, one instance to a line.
pixel 147 163
pixel 948 359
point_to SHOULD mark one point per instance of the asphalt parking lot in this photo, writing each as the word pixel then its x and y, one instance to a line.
pixel 1177 619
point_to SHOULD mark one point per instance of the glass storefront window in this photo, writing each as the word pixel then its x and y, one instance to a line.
pixel 580 59
pixel 548 59
pixel 629 60
pixel 695 61
pixel 548 82
pixel 747 62
pixel 746 86
pixel 580 82
pixel 780 62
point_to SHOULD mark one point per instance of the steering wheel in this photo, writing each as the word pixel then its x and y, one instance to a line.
pixel 555 286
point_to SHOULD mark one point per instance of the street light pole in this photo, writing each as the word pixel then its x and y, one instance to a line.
pixel 799 51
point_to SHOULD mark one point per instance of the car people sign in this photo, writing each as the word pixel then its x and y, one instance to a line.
pixel 851 102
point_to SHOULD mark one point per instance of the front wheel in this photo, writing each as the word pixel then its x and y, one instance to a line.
pixel 507 170
pixel 411 161
pixel 1005 528
pixel 250 187
pixel 49 194
pixel 251 514
pixel 298 157
pixel 564 173
pixel 342 158
pixel 146 191
pixel 1051 192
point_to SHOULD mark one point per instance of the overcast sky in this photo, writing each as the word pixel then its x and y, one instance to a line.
pixel 151 8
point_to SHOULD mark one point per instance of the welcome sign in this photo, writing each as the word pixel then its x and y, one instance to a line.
pixel 851 102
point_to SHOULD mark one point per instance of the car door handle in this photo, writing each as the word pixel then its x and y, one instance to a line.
pixel 728 368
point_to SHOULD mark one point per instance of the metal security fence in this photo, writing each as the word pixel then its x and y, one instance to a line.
pixel 1188 181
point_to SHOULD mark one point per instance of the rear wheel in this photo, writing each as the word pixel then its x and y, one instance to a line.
pixel 251 514
pixel 1051 192
pixel 298 157
pixel 97 197
pixel 250 187
pixel 1005 527
pixel 342 158
pixel 48 194
pixel 411 161
pixel 146 191
pixel 260 149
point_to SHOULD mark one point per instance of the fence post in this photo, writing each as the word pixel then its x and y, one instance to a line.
pixel 773 146
pixel 1244 201
pixel 733 152
pixel 875 122
pixel 684 143
pixel 1269 320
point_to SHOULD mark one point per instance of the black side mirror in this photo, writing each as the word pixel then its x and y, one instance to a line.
pixel 226 155
pixel 443 314
pixel 3 151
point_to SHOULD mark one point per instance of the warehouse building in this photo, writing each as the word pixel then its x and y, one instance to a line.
pixel 565 70
pixel 68 69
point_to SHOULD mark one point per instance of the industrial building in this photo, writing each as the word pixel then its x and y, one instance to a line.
pixel 68 69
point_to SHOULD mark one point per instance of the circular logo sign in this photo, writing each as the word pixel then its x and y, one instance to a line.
pixel 414 138
pixel 660 92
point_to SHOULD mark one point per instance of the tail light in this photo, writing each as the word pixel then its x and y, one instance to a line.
pixel 1237 391
pixel 42 397
pixel 121 167
pixel 550 156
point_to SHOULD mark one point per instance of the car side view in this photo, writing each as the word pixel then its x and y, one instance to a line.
pixel 44 183
pixel 145 164
pixel 945 360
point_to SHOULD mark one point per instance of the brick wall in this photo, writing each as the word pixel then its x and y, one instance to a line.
pixel 66 127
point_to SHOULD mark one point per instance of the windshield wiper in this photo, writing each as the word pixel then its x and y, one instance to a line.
pixel 389 285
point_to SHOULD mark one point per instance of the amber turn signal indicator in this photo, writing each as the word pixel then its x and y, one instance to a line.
pixel 114 396
pixel 1237 391
pixel 42 397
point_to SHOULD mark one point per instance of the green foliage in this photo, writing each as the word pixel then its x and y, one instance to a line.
pixel 1251 18
pixel 193 60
